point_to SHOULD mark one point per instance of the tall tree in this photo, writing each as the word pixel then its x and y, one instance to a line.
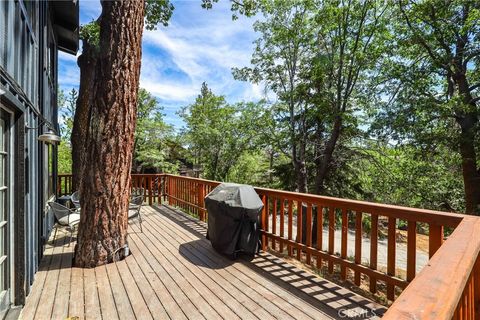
pixel 86 62
pixel 217 133
pixel 350 38
pixel 66 106
pixel 434 84
pixel 316 56
pixel 153 137
pixel 156 11
pixel 105 187
pixel 280 54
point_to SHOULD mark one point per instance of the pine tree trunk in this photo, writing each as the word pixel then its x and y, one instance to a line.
pixel 86 62
pixel 471 175
pixel 323 163
pixel 105 187
pixel 468 122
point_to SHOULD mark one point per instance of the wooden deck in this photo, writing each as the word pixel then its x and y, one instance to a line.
pixel 173 272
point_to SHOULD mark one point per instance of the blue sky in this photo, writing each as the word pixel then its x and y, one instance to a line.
pixel 198 45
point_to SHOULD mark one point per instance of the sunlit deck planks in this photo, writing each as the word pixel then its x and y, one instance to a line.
pixel 174 273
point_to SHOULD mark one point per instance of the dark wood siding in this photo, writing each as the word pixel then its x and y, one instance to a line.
pixel 28 75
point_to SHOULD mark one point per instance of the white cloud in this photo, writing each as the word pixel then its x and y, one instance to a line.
pixel 170 91
pixel 198 45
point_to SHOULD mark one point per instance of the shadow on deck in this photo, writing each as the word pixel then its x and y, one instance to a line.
pixel 173 273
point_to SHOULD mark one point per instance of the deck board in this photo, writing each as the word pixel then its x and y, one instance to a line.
pixel 174 273
pixel 105 294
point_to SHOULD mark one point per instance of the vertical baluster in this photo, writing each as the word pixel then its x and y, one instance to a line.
pixel 456 314
pixel 470 297
pixel 411 249
pixel 264 223
pixel 178 191
pixel 343 252
pixel 191 199
pixel 174 189
pixel 290 225
pixel 319 234
pixel 331 236
pixel 187 196
pixel 358 244
pixel 435 238
pixel 200 200
pixel 169 190
pixel 161 189
pixel 391 242
pixel 476 288
pixel 150 191
pixel 308 230
pixel 267 218
pixel 299 229
pixel 182 194
pixel 373 250
pixel 282 222
pixel 274 222
pixel 164 188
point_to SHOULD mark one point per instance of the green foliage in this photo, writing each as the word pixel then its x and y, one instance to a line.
pixel 153 138
pixel 404 175
pixel 218 133
pixel 64 158
pixel 157 11
pixel 90 33
pixel 252 167
pixel 66 104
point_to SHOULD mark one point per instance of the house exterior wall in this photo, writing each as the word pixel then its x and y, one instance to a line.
pixel 28 81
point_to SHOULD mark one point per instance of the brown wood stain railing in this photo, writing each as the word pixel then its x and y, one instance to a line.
pixel 448 287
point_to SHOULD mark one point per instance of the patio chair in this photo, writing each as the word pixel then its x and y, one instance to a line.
pixel 67 217
pixel 134 209
pixel 75 198
pixel 138 192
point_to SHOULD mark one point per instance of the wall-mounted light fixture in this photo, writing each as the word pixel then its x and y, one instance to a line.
pixel 50 136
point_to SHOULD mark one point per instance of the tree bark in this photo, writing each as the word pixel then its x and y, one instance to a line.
pixel 468 122
pixel 105 186
pixel 323 162
pixel 86 62
pixel 300 168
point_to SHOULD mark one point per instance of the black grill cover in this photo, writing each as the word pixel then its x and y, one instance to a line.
pixel 234 219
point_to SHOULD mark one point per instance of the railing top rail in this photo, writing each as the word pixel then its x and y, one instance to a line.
pixel 437 289
pixel 421 215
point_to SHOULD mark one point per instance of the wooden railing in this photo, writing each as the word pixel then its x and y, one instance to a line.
pixel 64 184
pixel 447 287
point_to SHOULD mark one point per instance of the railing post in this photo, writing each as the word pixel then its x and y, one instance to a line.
pixel 264 223
pixel 201 200
pixel 166 183
pixel 150 191
pixel 435 238
pixel 160 186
